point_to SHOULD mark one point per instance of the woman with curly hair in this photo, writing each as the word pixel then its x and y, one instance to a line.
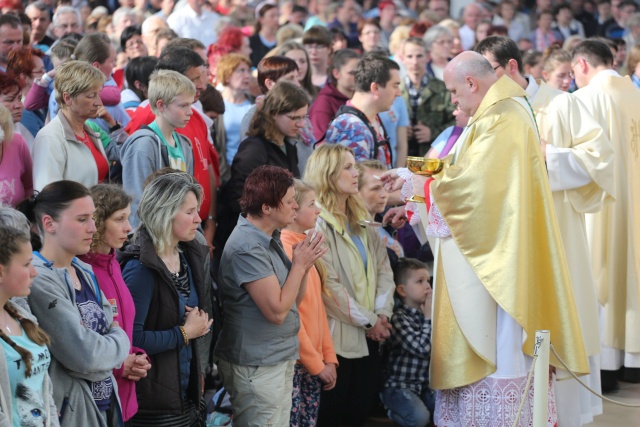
pixel 113 207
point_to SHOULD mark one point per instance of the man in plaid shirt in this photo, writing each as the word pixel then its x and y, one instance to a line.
pixel 406 392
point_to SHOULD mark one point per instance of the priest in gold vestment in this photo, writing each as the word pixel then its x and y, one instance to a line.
pixel 614 233
pixel 500 272
pixel 580 166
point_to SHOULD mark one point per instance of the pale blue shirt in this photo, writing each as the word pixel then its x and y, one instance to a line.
pixel 391 120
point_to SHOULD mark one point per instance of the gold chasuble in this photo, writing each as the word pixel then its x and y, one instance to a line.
pixel 614 232
pixel 496 200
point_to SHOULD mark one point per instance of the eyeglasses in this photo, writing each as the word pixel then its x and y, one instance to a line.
pixel 571 73
pixel 297 118
pixel 134 43
pixel 315 47
pixel 496 67
pixel 443 42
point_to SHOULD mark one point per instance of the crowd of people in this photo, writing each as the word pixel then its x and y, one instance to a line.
pixel 212 196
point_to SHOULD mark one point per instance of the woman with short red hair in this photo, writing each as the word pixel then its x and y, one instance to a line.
pixel 11 97
pixel 27 65
pixel 260 286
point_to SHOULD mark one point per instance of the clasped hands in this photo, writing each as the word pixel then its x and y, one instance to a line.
pixel 381 330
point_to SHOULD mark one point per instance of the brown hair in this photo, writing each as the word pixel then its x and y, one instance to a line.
pixel 107 198
pixel 283 98
pixel 10 241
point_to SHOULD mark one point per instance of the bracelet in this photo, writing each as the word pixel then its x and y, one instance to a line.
pixel 184 335
pixel 211 217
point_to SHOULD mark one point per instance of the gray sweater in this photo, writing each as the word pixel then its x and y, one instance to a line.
pixel 78 354
pixel 142 154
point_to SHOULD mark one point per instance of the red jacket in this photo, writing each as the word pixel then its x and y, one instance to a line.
pixel 324 109
pixel 204 153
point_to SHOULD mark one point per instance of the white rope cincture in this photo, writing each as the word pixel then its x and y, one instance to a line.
pixel 615 402
pixel 526 390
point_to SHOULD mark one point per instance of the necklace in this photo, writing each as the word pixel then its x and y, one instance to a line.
pixel 6 321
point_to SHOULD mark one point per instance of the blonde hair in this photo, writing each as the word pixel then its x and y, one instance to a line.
pixel 302 189
pixel 166 85
pixel 553 56
pixel 362 167
pixel 159 205
pixel 6 124
pixel 633 59
pixel 228 64
pixel 397 38
pixel 322 173
pixel 76 77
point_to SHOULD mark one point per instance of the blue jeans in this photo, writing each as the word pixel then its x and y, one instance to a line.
pixel 406 408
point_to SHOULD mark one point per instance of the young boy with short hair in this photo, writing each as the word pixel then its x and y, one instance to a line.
pixel 159 145
pixel 406 392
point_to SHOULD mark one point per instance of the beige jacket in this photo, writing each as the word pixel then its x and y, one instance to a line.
pixel 354 297
pixel 57 154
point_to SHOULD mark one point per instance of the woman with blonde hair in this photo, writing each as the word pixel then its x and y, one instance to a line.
pixel 66 148
pixel 16 167
pixel 632 65
pixel 359 285
pixel 234 74
pixel 162 268
pixel 556 70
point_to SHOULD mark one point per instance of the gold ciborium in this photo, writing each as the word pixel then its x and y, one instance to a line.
pixel 425 167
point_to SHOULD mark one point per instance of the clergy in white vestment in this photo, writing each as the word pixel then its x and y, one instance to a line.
pixel 580 166
pixel 500 272
pixel 614 233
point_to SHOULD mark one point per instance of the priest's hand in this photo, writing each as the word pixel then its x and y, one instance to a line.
pixel 418 182
pixel 391 180
pixel 543 147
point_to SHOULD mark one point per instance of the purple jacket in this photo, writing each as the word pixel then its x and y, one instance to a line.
pixel 324 109
pixel 107 271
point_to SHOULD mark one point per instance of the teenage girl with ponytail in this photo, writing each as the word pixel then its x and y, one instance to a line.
pixel 86 344
pixel 26 396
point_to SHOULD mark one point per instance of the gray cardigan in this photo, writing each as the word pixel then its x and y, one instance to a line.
pixel 78 354
pixel 141 154
pixel 57 154
pixel 6 401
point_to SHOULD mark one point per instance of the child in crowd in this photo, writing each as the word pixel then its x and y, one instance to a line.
pixel 158 145
pixel 406 392
pixel 316 368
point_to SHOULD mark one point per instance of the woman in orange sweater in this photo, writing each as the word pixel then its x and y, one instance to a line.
pixel 316 368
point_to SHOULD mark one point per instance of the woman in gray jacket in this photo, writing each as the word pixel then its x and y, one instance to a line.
pixel 66 148
pixel 86 344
